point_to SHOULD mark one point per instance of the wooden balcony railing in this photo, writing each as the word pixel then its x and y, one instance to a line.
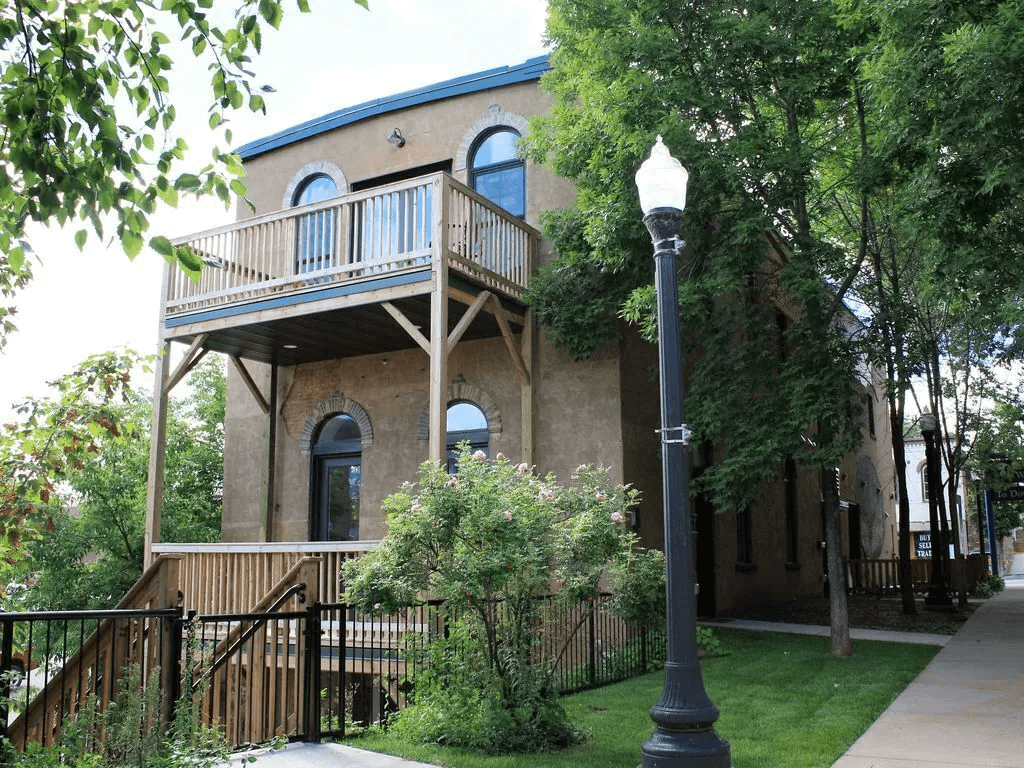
pixel 233 578
pixel 378 232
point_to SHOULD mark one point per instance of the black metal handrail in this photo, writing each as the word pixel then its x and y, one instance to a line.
pixel 258 620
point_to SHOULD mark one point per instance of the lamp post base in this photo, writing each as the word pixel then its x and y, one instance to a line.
pixel 685 749
pixel 684 717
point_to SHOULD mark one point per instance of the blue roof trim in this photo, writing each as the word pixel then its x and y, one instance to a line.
pixel 295 299
pixel 531 69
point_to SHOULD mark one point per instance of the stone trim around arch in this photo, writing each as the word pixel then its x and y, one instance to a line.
pixel 314 168
pixel 329 406
pixel 472 394
pixel 493 118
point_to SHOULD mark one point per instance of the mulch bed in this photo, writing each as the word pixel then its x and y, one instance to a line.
pixel 865 612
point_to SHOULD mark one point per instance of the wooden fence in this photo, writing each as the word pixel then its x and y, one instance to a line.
pixel 882 576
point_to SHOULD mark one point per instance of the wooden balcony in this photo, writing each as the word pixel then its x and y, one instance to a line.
pixel 423 263
pixel 278 287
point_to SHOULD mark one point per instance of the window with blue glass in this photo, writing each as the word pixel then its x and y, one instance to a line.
pixel 466 423
pixel 314 231
pixel 497 172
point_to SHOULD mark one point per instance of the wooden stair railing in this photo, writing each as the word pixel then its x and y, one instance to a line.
pixel 251 684
pixel 96 668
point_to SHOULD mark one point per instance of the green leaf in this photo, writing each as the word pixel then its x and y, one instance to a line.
pixel 161 245
pixel 188 182
pixel 131 241
pixel 80 237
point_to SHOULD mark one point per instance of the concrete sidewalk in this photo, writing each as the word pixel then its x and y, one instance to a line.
pixel 966 709
pixel 325 755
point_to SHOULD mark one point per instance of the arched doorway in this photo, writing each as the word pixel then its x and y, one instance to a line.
pixel 335 480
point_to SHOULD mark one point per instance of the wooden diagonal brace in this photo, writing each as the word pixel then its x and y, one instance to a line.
pixel 407 325
pixel 466 319
pixel 510 342
pixel 189 361
pixel 255 390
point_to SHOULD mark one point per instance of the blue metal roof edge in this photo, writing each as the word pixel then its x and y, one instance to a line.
pixel 531 69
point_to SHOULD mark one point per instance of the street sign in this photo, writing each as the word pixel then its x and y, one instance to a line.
pixel 1014 493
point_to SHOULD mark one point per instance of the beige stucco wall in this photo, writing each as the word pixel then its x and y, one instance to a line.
pixel 576 404
pixel 576 420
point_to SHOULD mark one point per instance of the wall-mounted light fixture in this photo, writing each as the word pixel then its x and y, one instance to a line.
pixel 396 138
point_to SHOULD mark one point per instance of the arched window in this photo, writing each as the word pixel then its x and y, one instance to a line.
pixel 497 172
pixel 314 232
pixel 466 423
pixel 334 491
pixel 923 469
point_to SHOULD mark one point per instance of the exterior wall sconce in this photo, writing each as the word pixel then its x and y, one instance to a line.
pixel 396 138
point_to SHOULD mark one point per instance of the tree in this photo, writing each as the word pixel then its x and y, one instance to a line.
pixel 492 541
pixel 944 177
pixel 90 552
pixel 90 124
pixel 946 83
pixel 50 438
pixel 754 99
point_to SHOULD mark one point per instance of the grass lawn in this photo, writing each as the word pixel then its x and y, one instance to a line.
pixel 784 701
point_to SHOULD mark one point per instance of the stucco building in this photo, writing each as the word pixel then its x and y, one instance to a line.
pixel 372 306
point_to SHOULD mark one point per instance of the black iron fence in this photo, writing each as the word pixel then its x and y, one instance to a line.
pixel 324 670
pixel 53 664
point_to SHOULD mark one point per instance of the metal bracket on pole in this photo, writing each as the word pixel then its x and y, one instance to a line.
pixel 685 433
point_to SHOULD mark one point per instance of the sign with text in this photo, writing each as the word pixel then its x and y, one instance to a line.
pixel 923 544
pixel 1014 493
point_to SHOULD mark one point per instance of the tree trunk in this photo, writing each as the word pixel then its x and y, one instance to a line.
pixel 839 615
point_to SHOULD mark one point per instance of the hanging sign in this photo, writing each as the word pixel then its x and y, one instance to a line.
pixel 1014 493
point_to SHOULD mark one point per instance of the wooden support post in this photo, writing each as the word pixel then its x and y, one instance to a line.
pixel 439 327
pixel 267 518
pixel 526 389
pixel 157 448
pixel 170 646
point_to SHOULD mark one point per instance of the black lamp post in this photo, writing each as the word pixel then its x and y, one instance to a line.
pixel 684 717
pixel 938 596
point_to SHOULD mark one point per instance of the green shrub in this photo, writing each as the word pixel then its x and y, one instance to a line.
pixel 988 585
pixel 490 540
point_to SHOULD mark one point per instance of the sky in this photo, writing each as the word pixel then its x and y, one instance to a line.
pixel 81 303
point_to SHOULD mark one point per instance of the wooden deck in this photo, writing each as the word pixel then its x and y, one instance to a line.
pixel 355 253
